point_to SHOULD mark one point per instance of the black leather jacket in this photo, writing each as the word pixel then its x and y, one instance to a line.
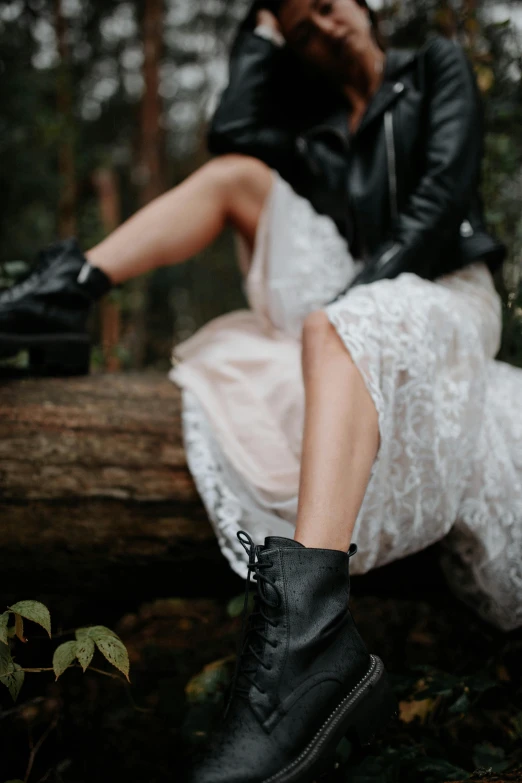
pixel 404 188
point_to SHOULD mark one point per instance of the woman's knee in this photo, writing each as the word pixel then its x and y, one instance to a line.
pixel 240 176
pixel 321 340
pixel 318 329
pixel 243 184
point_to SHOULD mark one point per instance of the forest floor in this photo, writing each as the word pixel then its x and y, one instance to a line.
pixel 458 682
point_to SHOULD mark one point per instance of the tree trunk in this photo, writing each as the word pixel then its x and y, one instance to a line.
pixel 66 161
pixel 106 183
pixel 151 165
pixel 152 135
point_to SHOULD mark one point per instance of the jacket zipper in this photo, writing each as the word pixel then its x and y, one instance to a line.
pixel 392 174
pixel 392 180
pixel 392 164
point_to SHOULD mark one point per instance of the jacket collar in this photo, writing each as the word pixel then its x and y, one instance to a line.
pixel 396 63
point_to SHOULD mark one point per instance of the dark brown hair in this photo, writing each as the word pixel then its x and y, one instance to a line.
pixel 275 7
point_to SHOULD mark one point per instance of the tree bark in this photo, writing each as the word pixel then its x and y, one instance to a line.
pixel 152 135
pixel 106 183
pixel 151 164
pixel 96 499
pixel 95 494
pixel 66 158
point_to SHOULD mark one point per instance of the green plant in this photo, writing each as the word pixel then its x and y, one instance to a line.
pixel 81 649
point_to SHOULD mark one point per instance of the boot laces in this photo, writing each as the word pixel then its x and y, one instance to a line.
pixel 252 630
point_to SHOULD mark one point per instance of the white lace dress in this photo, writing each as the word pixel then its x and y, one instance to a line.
pixel 449 465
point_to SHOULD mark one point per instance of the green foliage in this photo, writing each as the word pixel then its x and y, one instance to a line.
pixel 84 650
pixel 235 605
pixel 5 659
pixel 11 674
pixel 14 679
pixel 208 686
pixel 81 648
pixel 108 643
pixel 4 619
pixel 87 639
pixel 105 126
pixel 35 611
pixel 63 657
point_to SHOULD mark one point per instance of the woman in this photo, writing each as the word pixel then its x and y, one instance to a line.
pixel 359 397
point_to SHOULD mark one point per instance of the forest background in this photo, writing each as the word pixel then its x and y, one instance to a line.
pixel 104 106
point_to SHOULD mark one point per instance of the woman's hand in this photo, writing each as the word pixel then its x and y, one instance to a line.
pixel 267 19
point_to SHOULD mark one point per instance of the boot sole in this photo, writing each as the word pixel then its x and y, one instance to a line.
pixel 50 354
pixel 360 716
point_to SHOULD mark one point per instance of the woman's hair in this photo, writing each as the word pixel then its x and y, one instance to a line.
pixel 275 5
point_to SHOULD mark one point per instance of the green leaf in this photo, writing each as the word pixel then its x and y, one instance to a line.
pixel 517 724
pixel 109 644
pixel 63 656
pixel 4 619
pixel 235 605
pixel 10 672
pixel 14 680
pixel 35 611
pixel 208 685
pixel 6 662
pixel 94 632
pixel 115 652
pixel 461 705
pixel 84 651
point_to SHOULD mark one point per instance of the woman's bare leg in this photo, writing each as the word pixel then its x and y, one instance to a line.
pixel 183 221
pixel 341 439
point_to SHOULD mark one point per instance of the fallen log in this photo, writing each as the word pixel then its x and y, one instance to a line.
pixel 96 498
pixel 95 494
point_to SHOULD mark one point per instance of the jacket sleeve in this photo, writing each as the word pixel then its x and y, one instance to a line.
pixel 435 209
pixel 249 118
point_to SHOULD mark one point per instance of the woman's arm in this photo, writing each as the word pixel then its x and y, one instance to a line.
pixel 440 202
pixel 250 118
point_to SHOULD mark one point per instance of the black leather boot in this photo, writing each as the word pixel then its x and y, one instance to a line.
pixel 303 678
pixel 47 312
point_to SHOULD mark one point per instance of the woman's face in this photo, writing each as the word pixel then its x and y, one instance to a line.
pixel 328 34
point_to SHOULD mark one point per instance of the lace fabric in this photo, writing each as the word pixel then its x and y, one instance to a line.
pixel 449 466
